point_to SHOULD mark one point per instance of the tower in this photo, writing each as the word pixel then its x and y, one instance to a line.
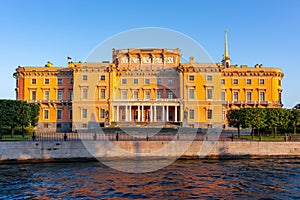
pixel 226 58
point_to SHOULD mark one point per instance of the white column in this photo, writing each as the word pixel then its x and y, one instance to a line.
pixel 154 114
pixel 139 113
pixel 151 113
pixel 126 114
pixel 163 114
pixel 143 118
pixel 167 114
pixel 118 113
pixel 176 114
pixel 130 115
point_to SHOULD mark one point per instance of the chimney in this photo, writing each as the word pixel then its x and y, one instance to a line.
pixel 192 60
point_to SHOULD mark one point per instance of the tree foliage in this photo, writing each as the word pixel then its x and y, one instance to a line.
pixel 15 113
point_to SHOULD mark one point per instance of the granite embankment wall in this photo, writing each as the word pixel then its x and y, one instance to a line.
pixel 49 150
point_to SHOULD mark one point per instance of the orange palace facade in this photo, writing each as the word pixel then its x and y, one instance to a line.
pixel 145 87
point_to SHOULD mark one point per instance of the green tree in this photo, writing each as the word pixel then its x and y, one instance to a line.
pixel 273 119
pixel 236 118
pixel 295 118
pixel 34 114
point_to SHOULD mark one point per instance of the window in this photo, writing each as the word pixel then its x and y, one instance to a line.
pixel 147 81
pixel 47 81
pixel 235 96
pixel 248 81
pixel 279 82
pixel 102 78
pixel 249 96
pixel 192 114
pixel 279 97
pixel 33 81
pixel 223 95
pixel 147 94
pixel 124 81
pixel 262 96
pixel 85 93
pixel 58 114
pixel 209 78
pixel 223 114
pixel 102 113
pixel 261 81
pixel 158 94
pixel 170 94
pixel 58 125
pixel 158 81
pixel 46 125
pixel 191 78
pixel 46 114
pixel 33 95
pixel 71 95
pixel 235 81
pixel 192 93
pixel 84 77
pixel 209 113
pixel 84 113
pixel 71 80
pixel 135 81
pixel 59 81
pixel 59 95
pixel 170 81
pixel 209 93
pixel 70 114
pixel 102 93
pixel 84 125
pixel 223 81
pixel 124 94
pixel 135 94
pixel 47 95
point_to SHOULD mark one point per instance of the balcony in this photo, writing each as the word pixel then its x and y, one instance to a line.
pixel 147 100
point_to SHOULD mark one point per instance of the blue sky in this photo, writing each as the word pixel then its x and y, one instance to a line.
pixel 260 32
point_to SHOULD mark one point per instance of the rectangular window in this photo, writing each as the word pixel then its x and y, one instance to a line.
pixel 47 81
pixel 170 94
pixel 84 125
pixel 235 96
pixel 33 95
pixel 249 96
pixel 59 95
pixel 33 81
pixel 58 114
pixel 223 95
pixel 223 114
pixel 84 77
pixel 147 81
pixel 71 80
pixel 85 93
pixel 135 94
pixel 135 81
pixel 147 94
pixel 235 81
pixel 192 114
pixel 84 113
pixel 102 78
pixel 46 125
pixel 71 95
pixel 159 94
pixel 47 95
pixel 279 82
pixel 261 81
pixel 102 93
pixel 262 96
pixel 59 81
pixel 124 81
pixel 209 114
pixel 248 81
pixel 124 94
pixel 191 78
pixel 191 93
pixel 102 114
pixel 209 93
pixel 46 114
pixel 209 78
pixel 170 81
pixel 58 125
pixel 70 114
pixel 158 81
pixel 223 81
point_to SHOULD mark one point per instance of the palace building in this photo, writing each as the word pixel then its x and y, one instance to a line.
pixel 148 87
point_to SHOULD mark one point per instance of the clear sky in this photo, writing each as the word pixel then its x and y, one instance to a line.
pixel 260 32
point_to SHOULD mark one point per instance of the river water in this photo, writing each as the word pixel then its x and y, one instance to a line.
pixel 184 179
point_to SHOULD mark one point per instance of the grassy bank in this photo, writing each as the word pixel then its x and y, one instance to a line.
pixel 264 138
pixel 15 137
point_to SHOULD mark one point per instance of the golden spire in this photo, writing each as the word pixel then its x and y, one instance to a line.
pixel 226 58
